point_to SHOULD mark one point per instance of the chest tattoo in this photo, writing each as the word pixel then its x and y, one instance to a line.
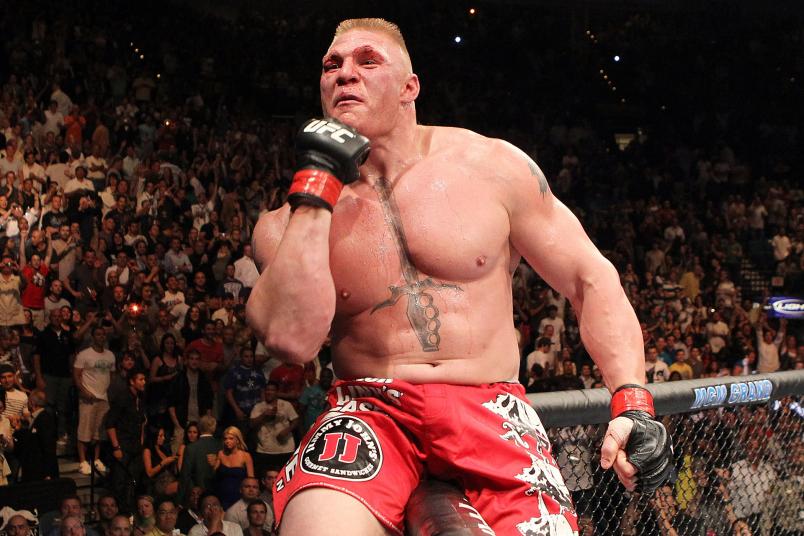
pixel 422 311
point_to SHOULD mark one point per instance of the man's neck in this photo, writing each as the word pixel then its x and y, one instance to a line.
pixel 98 349
pixel 396 151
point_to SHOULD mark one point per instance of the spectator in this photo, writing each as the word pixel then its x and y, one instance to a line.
pixel 244 385
pixel 267 482
pixel 92 374
pixel 35 275
pixel 18 524
pixel 260 519
pixel 191 514
pixel 213 521
pixel 681 365
pixel 190 436
pixel 16 401
pixel 144 517
pixel 237 513
pixel 542 355
pixel 750 482
pixel 107 510
pixel 160 464
pixel 245 269
pixel 72 526
pixel 199 458
pixel 232 464
pixel 125 425
pixel 313 400
pixel 166 517
pixel 37 442
pixel 190 394
pixel 656 370
pixel 70 510
pixel 274 419
pixel 11 286
pixel 119 526
pixel 768 343
pixel 289 379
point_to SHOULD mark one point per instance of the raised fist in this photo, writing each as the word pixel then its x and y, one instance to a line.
pixel 328 155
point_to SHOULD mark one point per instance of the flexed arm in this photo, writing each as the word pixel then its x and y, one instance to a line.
pixel 292 303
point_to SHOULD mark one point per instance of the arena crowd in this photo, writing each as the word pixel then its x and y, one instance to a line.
pixel 133 168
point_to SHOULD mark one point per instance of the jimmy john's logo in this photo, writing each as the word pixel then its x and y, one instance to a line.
pixel 335 130
pixel 345 448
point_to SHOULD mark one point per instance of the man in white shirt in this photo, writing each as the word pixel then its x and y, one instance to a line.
pixel 751 481
pixel 552 319
pixel 34 171
pixel 656 370
pixel 11 161
pixel 274 419
pixel 245 269
pixel 54 119
pixel 97 168
pixel 237 513
pixel 58 171
pixel 768 346
pixel 63 102
pixel 212 522
pixel 92 374
pixel 541 355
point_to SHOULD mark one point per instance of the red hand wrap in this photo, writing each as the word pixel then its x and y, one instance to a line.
pixel 631 398
pixel 319 183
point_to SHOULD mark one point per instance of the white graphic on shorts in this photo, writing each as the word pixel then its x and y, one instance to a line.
pixel 546 524
pixel 520 421
pixel 544 477
pixel 523 427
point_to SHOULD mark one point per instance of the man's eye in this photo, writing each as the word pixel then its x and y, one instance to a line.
pixel 330 67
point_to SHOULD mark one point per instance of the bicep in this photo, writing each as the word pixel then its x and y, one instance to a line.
pixel 550 237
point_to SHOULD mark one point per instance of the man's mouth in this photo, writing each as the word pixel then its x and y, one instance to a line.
pixel 347 99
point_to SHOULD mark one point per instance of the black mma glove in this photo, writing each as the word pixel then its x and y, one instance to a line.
pixel 328 155
pixel 648 447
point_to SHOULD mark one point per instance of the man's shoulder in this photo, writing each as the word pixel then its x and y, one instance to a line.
pixel 471 146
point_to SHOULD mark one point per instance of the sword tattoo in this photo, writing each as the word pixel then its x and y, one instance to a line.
pixel 422 311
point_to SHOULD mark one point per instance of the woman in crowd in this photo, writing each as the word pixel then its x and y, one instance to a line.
pixel 144 518
pixel 164 368
pixel 190 436
pixel 232 464
pixel 160 464
pixel 193 325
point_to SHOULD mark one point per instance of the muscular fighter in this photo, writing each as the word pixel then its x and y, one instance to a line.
pixel 405 257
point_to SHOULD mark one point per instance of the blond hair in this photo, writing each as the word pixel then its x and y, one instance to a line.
pixel 234 431
pixel 374 25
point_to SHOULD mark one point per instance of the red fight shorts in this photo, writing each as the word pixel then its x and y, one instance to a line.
pixel 381 436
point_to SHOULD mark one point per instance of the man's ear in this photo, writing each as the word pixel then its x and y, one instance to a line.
pixel 410 91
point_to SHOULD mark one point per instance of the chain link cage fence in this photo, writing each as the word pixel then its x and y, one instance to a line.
pixel 738 445
pixel 739 456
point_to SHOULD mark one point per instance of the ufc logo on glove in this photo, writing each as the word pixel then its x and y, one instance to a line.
pixel 320 126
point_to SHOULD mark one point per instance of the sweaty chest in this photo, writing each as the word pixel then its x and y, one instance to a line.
pixel 431 224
